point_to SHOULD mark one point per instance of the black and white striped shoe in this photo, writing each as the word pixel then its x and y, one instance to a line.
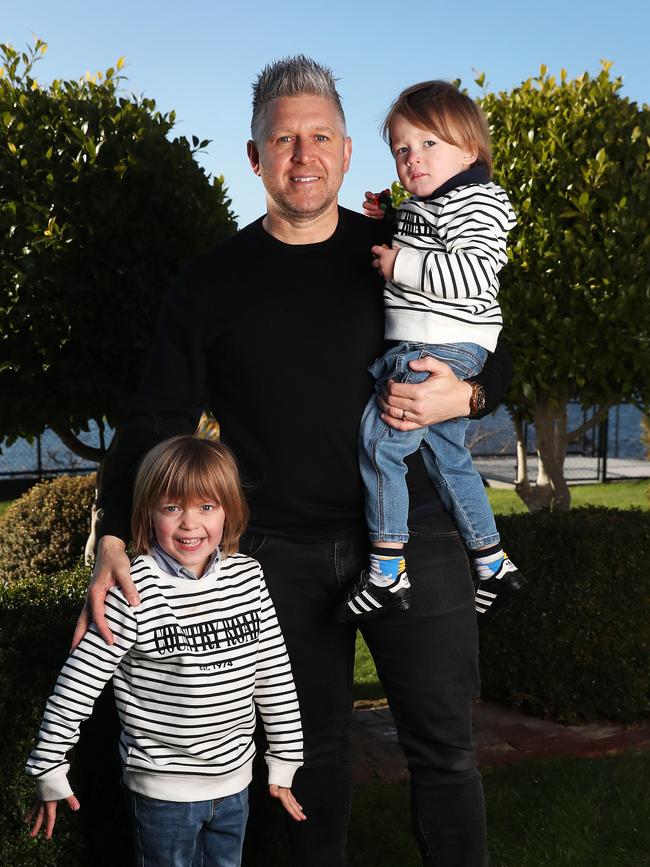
pixel 366 601
pixel 494 594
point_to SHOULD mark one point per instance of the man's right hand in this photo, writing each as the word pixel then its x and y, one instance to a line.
pixel 112 568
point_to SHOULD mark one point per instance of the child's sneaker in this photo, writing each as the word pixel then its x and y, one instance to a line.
pixel 494 594
pixel 367 601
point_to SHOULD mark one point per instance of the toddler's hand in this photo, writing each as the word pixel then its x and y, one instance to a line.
pixel 288 801
pixel 384 260
pixel 372 205
pixel 46 811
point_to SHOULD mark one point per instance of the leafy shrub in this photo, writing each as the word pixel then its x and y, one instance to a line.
pixel 576 645
pixel 45 530
pixel 36 621
pixel 37 618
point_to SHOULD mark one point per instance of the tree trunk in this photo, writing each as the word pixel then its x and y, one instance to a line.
pixel 96 513
pixel 552 438
pixel 551 445
pixel 550 490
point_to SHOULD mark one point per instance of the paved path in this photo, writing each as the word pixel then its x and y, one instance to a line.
pixel 504 736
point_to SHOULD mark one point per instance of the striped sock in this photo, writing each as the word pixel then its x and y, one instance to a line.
pixel 386 565
pixel 488 561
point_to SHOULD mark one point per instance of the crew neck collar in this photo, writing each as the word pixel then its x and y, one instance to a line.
pixel 473 175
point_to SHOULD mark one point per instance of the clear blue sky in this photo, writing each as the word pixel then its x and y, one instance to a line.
pixel 200 56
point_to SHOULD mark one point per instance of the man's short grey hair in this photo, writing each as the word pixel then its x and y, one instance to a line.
pixel 292 76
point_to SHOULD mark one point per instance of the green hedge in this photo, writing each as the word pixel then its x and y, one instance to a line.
pixel 37 618
pixel 576 645
pixel 45 530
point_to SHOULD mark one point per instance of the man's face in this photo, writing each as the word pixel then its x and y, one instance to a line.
pixel 301 156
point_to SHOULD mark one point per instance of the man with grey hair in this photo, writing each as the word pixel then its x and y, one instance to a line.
pixel 273 330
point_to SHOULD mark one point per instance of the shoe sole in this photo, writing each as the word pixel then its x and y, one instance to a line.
pixel 348 616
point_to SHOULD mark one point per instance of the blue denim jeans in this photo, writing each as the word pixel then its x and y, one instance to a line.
pixel 382 450
pixel 188 834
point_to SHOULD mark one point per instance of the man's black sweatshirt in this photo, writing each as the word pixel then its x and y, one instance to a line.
pixel 275 340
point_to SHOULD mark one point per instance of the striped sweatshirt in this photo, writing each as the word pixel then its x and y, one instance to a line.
pixel 451 247
pixel 190 664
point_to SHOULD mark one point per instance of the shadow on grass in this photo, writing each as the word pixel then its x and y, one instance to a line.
pixel 566 812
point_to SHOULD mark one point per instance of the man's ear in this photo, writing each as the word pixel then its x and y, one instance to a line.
pixel 253 156
pixel 347 153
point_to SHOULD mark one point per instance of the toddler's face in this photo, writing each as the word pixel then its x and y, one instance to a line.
pixel 423 160
pixel 190 532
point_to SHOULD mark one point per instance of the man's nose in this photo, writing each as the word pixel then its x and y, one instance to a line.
pixel 302 151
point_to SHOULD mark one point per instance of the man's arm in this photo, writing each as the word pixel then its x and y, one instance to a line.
pixel 443 396
pixel 171 397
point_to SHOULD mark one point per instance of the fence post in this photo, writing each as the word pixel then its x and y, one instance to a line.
pixel 39 458
pixel 603 447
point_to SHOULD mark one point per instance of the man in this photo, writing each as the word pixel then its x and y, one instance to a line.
pixel 273 330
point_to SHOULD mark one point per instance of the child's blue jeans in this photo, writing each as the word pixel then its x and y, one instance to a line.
pixel 188 834
pixel 382 450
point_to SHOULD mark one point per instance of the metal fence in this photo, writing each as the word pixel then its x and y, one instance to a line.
pixel 25 463
pixel 612 450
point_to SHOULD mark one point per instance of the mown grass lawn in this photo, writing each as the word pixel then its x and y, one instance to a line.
pixel 555 813
pixel 614 495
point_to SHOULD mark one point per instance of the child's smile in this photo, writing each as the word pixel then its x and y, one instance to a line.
pixel 190 532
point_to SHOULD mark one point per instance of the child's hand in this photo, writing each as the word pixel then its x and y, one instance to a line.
pixel 288 801
pixel 46 810
pixel 384 260
pixel 372 205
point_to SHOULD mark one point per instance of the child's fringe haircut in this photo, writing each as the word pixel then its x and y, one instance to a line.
pixel 441 107
pixel 187 468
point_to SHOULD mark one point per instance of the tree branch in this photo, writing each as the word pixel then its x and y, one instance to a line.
pixel 84 451
pixel 592 422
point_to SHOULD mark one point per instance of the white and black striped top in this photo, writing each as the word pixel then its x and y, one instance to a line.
pixel 445 284
pixel 189 666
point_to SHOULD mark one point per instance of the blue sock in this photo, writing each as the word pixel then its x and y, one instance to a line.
pixel 386 567
pixel 488 561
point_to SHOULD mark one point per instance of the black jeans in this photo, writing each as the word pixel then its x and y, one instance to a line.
pixel 427 659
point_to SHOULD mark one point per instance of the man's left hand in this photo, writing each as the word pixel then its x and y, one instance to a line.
pixel 442 396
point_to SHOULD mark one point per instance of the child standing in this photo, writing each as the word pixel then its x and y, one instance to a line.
pixel 440 300
pixel 190 665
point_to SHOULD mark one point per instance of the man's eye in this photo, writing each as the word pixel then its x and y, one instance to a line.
pixel 284 139
pixel 322 138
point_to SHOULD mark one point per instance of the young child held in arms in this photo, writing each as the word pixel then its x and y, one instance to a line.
pixel 190 665
pixel 440 300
